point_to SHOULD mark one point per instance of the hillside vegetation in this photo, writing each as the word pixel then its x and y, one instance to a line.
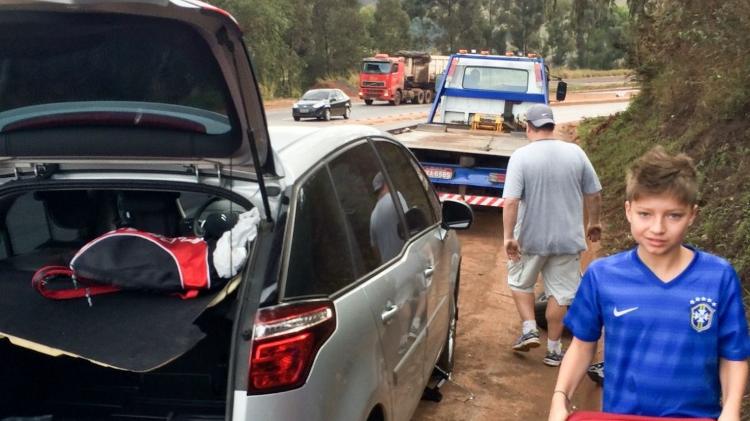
pixel 693 62
pixel 295 43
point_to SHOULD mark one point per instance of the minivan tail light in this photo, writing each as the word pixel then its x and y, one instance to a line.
pixel 286 339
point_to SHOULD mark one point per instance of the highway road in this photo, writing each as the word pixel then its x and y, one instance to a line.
pixel 386 117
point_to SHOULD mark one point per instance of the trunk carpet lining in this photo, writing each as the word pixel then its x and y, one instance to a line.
pixel 134 331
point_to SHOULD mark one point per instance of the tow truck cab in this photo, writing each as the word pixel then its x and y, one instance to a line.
pixel 477 121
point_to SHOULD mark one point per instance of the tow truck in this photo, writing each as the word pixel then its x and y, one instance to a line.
pixel 476 122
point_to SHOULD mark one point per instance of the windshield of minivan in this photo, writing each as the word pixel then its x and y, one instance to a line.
pixel 376 67
pixel 53 58
pixel 315 95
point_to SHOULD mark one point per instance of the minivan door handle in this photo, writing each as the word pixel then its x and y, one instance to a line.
pixel 388 313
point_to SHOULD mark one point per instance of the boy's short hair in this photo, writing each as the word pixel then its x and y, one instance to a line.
pixel 659 172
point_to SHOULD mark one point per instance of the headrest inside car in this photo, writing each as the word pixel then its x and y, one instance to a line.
pixel 147 201
pixel 71 209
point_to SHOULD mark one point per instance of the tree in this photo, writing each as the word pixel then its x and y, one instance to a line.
pixel 606 43
pixel 586 17
pixel 424 34
pixel 558 42
pixel 267 27
pixel 527 17
pixel 390 29
pixel 460 22
pixel 495 26
pixel 416 8
pixel 339 38
pixel 471 22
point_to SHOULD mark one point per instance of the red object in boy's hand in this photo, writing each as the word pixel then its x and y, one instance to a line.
pixel 603 416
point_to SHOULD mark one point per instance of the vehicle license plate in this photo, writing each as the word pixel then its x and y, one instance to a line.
pixel 443 173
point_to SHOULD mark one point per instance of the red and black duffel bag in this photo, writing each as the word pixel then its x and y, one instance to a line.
pixel 130 259
pixel 603 416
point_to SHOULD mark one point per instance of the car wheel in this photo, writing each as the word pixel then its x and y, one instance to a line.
pixel 396 98
pixel 368 102
pixel 419 98
pixel 327 114
pixel 296 118
pixel 347 113
pixel 447 357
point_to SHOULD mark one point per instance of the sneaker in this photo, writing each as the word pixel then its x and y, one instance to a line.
pixel 596 372
pixel 527 341
pixel 553 359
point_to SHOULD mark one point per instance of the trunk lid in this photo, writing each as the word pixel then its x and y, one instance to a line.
pixel 146 82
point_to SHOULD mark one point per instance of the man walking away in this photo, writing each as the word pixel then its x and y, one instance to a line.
pixel 546 186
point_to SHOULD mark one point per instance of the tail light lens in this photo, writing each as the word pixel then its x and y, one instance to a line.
pixel 495 177
pixel 286 339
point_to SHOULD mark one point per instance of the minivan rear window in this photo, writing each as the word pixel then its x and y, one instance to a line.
pixel 118 60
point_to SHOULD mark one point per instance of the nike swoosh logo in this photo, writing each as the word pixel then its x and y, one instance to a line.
pixel 624 312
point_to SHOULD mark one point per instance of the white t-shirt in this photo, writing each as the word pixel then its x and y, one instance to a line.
pixel 550 178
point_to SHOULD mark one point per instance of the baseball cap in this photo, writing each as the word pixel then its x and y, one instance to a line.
pixel 539 115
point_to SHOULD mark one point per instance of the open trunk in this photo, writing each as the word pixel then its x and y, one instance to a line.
pixel 127 355
pixel 191 387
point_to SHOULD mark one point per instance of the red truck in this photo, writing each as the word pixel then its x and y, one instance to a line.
pixel 407 76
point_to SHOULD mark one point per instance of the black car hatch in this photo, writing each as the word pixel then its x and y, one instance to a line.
pixel 151 81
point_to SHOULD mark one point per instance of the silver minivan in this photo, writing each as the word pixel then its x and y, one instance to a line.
pixel 145 115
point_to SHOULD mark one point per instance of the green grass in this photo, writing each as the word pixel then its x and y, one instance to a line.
pixel 723 225
pixel 566 73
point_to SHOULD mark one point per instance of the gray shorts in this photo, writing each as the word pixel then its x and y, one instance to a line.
pixel 561 274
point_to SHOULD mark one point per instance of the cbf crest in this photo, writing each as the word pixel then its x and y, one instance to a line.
pixel 702 311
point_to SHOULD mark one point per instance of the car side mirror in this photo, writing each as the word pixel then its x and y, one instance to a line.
pixel 457 215
pixel 562 90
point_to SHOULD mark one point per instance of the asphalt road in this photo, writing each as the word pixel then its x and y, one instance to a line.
pixel 385 116
pixel 360 111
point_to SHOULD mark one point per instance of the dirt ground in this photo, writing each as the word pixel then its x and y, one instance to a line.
pixel 490 381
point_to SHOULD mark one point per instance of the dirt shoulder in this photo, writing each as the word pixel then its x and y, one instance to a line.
pixel 491 382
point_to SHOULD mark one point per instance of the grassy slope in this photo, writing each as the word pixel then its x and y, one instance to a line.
pixel 720 152
pixel 695 98
pixel 693 60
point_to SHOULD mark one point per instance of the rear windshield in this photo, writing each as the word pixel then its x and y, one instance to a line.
pixel 315 95
pixel 493 79
pixel 66 57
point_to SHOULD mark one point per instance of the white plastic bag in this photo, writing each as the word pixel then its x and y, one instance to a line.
pixel 231 249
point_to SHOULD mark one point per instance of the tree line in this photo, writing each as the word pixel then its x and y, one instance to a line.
pixel 295 43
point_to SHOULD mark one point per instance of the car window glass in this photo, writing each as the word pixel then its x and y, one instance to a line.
pixel 368 207
pixel 319 260
pixel 410 184
pixel 314 95
pixel 395 67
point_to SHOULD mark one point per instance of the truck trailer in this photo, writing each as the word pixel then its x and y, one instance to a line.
pixel 407 76
pixel 476 122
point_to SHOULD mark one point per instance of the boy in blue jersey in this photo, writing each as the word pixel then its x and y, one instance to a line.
pixel 677 339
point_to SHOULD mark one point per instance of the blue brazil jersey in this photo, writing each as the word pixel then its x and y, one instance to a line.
pixel 663 341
